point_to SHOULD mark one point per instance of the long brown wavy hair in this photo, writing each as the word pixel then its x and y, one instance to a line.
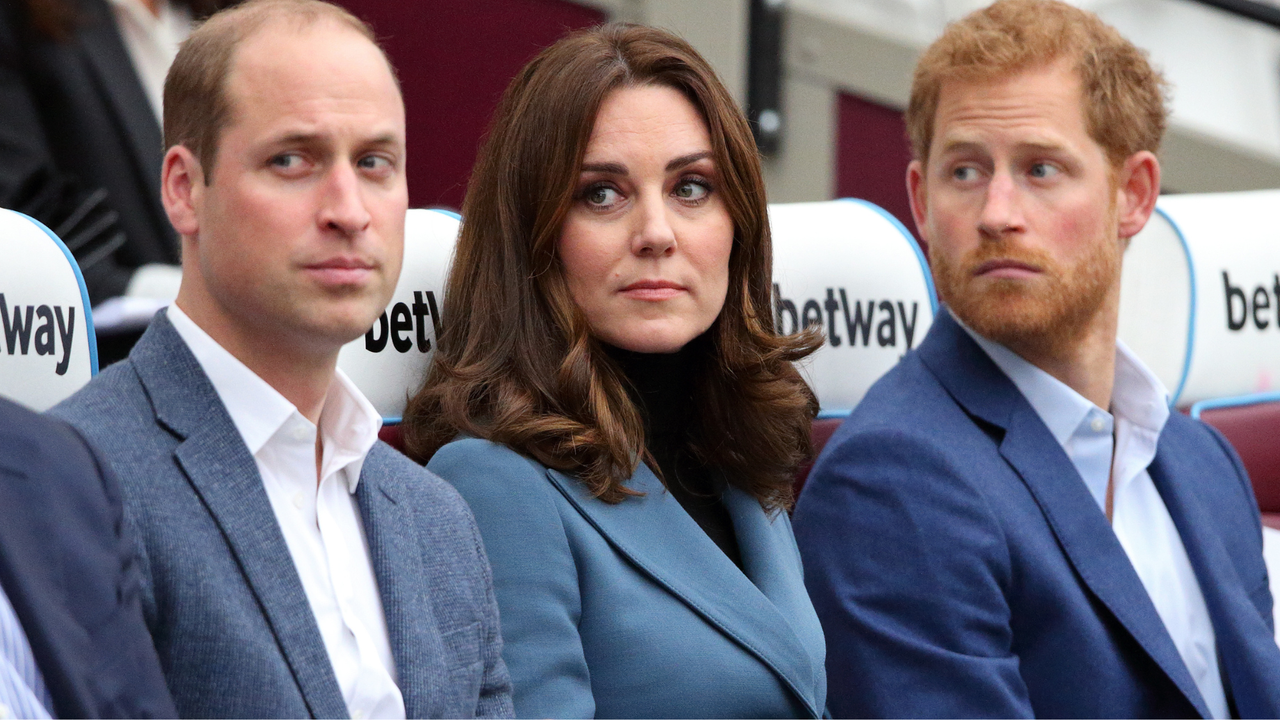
pixel 516 361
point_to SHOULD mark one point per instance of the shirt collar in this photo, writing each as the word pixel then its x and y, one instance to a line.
pixel 349 423
pixel 1137 396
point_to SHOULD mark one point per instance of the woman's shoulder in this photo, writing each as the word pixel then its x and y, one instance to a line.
pixel 480 468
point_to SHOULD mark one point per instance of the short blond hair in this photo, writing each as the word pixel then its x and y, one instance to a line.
pixel 196 106
pixel 1124 96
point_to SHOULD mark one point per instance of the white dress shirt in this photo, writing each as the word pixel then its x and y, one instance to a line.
pixel 22 690
pixel 1121 445
pixel 320 522
pixel 152 41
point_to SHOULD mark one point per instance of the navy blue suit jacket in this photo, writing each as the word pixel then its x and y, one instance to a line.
pixel 68 568
pixel 221 595
pixel 961 568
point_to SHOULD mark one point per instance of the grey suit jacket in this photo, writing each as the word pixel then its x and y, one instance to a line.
pixel 222 599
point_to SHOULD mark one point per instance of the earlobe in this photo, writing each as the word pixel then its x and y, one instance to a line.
pixel 1137 189
pixel 181 189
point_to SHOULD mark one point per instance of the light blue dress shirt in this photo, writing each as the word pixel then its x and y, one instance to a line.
pixel 1104 446
pixel 22 690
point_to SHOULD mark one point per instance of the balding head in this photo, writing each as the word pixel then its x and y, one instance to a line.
pixel 197 105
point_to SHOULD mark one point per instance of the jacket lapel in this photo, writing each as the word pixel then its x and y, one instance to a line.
pixel 1249 659
pixel 225 476
pixel 109 62
pixel 656 534
pixel 398 566
pixel 1080 527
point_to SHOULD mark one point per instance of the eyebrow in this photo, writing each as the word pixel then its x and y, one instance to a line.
pixel 969 145
pixel 610 168
pixel 307 138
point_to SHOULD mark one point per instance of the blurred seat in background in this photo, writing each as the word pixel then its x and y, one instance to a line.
pixel 80 141
pixel 47 349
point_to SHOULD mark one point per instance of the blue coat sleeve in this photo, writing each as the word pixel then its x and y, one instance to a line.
pixel 908 570
pixel 535 575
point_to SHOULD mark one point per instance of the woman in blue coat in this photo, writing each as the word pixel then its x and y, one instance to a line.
pixel 610 397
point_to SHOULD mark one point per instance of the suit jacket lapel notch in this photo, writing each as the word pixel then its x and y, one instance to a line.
pixel 397 560
pixel 660 538
pixel 225 476
pixel 1079 525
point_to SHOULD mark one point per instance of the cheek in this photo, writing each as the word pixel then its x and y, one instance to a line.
pixel 588 255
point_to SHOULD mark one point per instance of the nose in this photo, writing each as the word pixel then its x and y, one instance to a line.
pixel 1001 209
pixel 654 236
pixel 342 206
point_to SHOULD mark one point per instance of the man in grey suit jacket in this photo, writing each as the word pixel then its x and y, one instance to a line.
pixel 293 565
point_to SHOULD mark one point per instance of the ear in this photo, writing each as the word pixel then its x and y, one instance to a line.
pixel 1137 189
pixel 919 199
pixel 182 190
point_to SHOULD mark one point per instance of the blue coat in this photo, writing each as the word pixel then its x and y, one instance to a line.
pixel 630 610
pixel 67 567
pixel 961 568
pixel 222 598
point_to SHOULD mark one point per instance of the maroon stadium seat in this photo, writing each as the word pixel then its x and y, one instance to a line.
pixel 1254 431
pixel 390 434
pixel 823 428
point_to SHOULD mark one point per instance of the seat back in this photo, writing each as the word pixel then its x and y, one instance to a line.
pixel 850 268
pixel 390 361
pixel 1251 423
pixel 1200 295
pixel 47 348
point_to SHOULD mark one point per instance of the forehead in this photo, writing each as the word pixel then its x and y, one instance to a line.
pixel 283 73
pixel 1043 105
pixel 655 117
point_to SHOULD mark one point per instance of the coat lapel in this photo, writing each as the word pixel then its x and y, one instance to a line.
pixel 656 534
pixel 1080 527
pixel 1249 660
pixel 109 62
pixel 398 566
pixel 225 476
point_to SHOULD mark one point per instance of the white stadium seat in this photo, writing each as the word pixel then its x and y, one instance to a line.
pixel 47 345
pixel 390 361
pixel 1200 301
pixel 853 269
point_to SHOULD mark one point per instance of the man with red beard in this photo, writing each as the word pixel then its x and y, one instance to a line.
pixel 1013 523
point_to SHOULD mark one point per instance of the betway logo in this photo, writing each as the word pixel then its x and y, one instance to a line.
pixel 855 319
pixel 20 324
pixel 405 319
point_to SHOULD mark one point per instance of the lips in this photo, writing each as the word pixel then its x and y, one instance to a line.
pixel 1005 268
pixel 341 270
pixel 653 290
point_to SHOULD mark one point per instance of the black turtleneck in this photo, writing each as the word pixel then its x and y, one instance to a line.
pixel 661 386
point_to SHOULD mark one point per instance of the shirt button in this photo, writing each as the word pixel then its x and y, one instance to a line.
pixel 358 714
pixel 300 433
pixel 298 500
pixel 1097 424
pixel 5 712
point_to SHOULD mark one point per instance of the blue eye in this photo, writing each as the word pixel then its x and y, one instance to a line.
pixel 1043 170
pixel 692 191
pixel 286 161
pixel 965 173
pixel 374 162
pixel 601 196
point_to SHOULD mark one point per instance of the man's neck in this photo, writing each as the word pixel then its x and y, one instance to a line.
pixel 302 377
pixel 1085 362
